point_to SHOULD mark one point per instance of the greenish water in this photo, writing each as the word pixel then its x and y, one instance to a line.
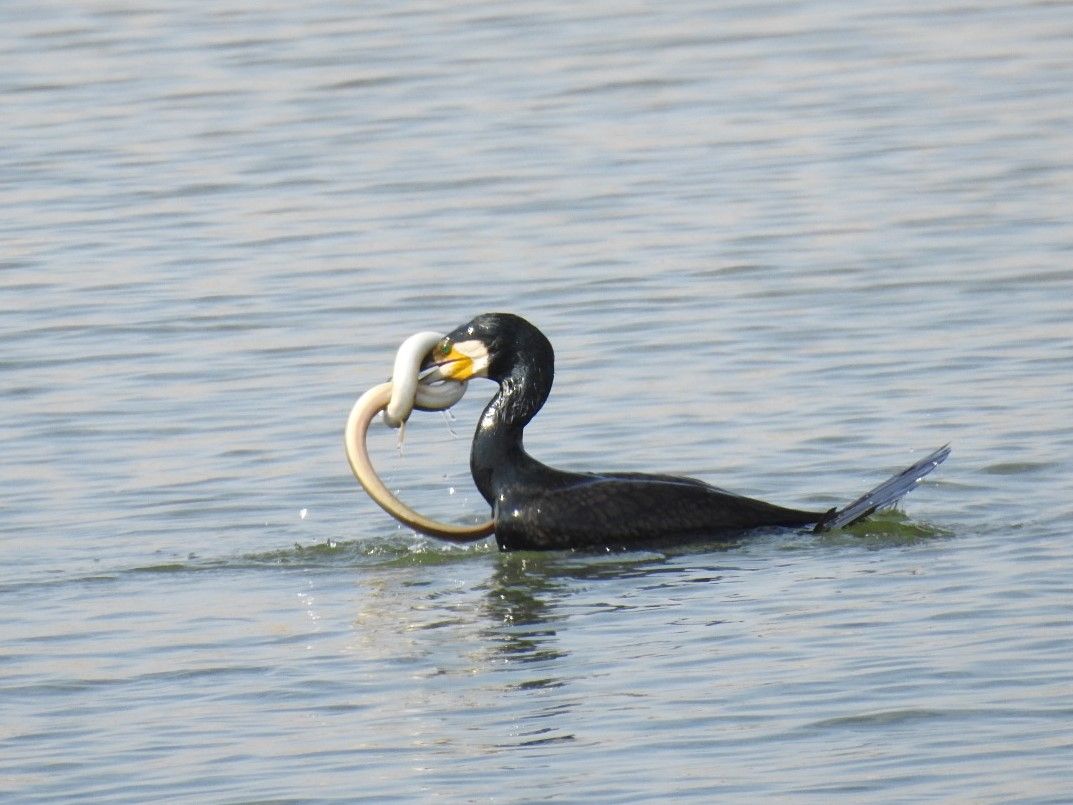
pixel 781 248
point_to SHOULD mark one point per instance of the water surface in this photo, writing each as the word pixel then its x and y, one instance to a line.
pixel 780 248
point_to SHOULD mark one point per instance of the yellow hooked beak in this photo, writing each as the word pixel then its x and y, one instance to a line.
pixel 459 361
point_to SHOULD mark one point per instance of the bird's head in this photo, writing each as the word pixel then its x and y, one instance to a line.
pixel 492 345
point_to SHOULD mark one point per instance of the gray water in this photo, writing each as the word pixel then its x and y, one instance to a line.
pixel 782 247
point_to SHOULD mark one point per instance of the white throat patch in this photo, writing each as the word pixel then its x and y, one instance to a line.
pixel 476 352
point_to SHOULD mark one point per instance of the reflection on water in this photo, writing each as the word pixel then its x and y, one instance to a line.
pixel 523 620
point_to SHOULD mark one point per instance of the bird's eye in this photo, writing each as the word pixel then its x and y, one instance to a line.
pixel 444 348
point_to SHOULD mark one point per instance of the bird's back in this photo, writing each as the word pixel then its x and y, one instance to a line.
pixel 629 509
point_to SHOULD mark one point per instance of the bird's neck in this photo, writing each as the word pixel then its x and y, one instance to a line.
pixel 498 458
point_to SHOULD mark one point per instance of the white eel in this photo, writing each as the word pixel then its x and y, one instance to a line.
pixel 397 399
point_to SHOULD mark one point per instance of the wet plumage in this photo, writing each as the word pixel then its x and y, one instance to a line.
pixel 539 507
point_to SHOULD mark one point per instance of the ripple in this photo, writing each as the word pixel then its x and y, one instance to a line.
pixel 888 718
pixel 1019 467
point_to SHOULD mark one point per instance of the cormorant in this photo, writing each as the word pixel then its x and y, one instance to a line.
pixel 536 507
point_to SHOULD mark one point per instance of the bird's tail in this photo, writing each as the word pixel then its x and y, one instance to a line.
pixel 887 493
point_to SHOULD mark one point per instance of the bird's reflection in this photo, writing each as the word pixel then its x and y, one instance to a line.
pixel 521 605
pixel 501 634
pixel 528 597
